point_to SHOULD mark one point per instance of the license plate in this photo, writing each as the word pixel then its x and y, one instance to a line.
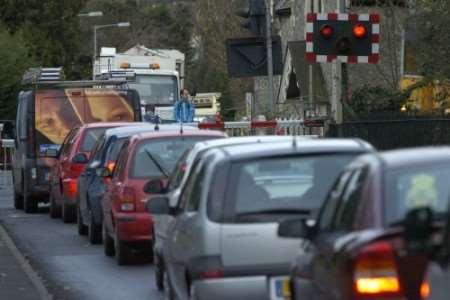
pixel 280 288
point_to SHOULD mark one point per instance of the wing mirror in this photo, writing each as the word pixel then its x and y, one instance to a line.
pixel 418 229
pixel 53 153
pixel 159 206
pixel 154 186
pixel 80 158
pixel 296 228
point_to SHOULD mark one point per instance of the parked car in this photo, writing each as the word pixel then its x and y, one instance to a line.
pixel 146 155
pixel 71 160
pixel 357 248
pixel 222 243
pixel 45 114
pixel 91 185
pixel 174 185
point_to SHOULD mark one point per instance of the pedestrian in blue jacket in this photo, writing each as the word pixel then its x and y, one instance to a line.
pixel 184 109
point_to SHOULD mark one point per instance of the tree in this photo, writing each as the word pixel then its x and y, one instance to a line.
pixel 15 60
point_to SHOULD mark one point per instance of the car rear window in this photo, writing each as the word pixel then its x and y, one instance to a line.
pixel 90 138
pixel 271 188
pixel 158 157
pixel 416 186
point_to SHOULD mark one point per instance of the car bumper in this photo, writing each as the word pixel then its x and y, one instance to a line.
pixel 134 227
pixel 236 288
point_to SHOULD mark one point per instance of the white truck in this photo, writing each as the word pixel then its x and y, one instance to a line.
pixel 159 73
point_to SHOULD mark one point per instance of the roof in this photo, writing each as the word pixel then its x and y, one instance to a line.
pixel 105 124
pixel 414 156
pixel 302 145
pixel 136 127
pixel 171 133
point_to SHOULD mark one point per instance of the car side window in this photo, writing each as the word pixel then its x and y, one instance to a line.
pixel 188 187
pixel 121 161
pixel 196 193
pixel 350 201
pixel 332 201
pixel 67 144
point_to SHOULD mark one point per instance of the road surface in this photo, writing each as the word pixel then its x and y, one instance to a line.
pixel 71 268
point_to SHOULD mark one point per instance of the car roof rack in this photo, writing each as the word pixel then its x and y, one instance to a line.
pixel 54 77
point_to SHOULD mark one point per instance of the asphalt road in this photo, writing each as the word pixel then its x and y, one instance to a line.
pixel 70 267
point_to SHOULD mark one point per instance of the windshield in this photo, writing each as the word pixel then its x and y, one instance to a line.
pixel 416 186
pixel 90 138
pixel 284 185
pixel 155 89
pixel 158 157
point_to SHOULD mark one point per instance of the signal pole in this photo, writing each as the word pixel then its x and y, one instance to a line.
pixel 269 59
pixel 336 80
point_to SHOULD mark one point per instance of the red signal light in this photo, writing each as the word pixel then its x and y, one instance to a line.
pixel 359 31
pixel 326 31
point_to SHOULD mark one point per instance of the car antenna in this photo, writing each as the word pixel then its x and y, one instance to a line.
pixel 294 141
pixel 181 127
pixel 157 123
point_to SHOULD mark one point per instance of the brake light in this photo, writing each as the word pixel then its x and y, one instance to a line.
pixel 76 169
pixel 375 271
pixel 425 290
pixel 128 200
pixel 211 274
pixel 70 188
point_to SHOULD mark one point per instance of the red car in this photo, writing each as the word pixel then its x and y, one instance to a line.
pixel 127 225
pixel 71 160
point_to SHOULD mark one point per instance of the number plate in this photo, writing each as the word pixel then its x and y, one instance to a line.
pixel 280 288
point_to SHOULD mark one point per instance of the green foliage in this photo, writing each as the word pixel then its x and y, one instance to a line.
pixel 433 38
pixel 368 99
pixel 15 60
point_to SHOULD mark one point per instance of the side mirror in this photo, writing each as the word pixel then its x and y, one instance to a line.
pixel 154 186
pixel 418 228
pixel 51 153
pixel 103 172
pixel 295 228
pixel 158 206
pixel 80 158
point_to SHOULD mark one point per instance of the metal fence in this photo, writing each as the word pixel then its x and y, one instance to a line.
pixel 394 134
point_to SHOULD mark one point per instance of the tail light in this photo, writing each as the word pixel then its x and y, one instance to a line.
pixel 128 200
pixel 110 166
pixel 70 188
pixel 375 273
pixel 76 169
pixel 425 290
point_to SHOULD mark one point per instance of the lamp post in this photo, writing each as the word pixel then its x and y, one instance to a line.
pixel 97 27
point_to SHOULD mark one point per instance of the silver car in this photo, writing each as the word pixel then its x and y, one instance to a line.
pixel 222 242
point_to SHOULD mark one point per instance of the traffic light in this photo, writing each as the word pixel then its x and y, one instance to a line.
pixel 348 38
pixel 255 12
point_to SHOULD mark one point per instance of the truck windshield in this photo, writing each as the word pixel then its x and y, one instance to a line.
pixel 156 89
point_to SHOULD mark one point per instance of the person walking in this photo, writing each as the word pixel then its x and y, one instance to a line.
pixel 184 108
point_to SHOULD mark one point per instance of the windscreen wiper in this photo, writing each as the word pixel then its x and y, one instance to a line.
pixel 276 211
pixel 157 164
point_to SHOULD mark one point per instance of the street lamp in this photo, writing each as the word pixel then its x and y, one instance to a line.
pixel 97 27
pixel 91 14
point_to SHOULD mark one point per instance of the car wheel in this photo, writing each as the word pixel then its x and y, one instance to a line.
pixel 55 211
pixel 159 271
pixel 18 200
pixel 168 290
pixel 94 231
pixel 82 229
pixel 122 252
pixel 108 243
pixel 68 213
pixel 30 204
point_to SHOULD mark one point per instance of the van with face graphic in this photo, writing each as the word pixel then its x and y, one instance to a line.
pixel 47 110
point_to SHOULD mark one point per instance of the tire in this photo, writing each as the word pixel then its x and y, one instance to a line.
pixel 30 204
pixel 159 271
pixel 69 213
pixel 108 243
pixel 82 229
pixel 95 231
pixel 122 252
pixel 55 211
pixel 18 200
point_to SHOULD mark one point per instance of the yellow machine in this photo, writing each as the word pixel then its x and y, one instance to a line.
pixel 433 97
